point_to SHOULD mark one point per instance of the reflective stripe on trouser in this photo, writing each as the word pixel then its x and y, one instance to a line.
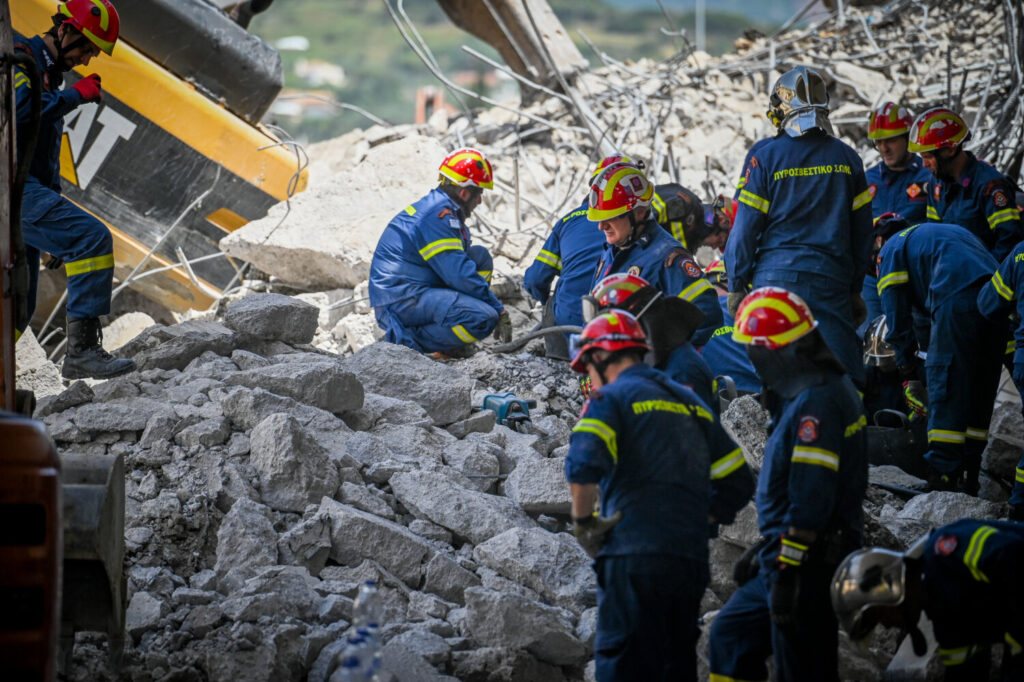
pixel 743 636
pixel 54 225
pixel 436 320
pixel 830 305
pixel 962 374
pixel 647 610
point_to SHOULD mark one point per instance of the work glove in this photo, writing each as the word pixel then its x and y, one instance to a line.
pixel 733 302
pixel 916 398
pixel 503 331
pixel 89 88
pixel 860 309
pixel 590 531
pixel 785 596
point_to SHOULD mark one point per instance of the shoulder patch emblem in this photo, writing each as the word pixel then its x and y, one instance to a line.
pixel 808 430
pixel 1000 199
pixel 945 544
pixel 913 190
pixel 633 270
pixel 692 270
pixel 873 189
pixel 937 191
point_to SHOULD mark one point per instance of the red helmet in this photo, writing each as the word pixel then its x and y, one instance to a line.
pixel 889 120
pixel 772 317
pixel 609 160
pixel 715 272
pixel 612 292
pixel 97 20
pixel 935 129
pixel 612 331
pixel 618 189
pixel 467 168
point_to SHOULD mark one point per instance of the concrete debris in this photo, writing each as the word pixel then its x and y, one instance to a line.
pixel 278 452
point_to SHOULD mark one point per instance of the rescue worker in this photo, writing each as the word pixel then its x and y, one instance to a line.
pixel 648 444
pixel 809 496
pixel 681 213
pixel 668 325
pixel 998 299
pixel 569 253
pixel 804 217
pixel 941 268
pixel 429 287
pixel 899 183
pixel 965 191
pixel 81 30
pixel 723 354
pixel 965 576
pixel 620 201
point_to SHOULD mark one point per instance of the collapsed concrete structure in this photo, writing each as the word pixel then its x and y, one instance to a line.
pixel 277 453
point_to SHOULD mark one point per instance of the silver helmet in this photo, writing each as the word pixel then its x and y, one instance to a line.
pixel 868 578
pixel 877 351
pixel 799 102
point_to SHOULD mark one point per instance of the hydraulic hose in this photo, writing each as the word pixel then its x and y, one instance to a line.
pixel 516 344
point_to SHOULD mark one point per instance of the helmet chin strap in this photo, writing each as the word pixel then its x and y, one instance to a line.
pixel 634 224
pixel 58 43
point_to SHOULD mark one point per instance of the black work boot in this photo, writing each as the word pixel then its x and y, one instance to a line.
pixel 85 357
pixel 940 481
pixel 972 473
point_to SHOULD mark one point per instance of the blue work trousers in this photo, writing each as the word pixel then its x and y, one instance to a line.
pixel 743 635
pixel 647 609
pixel 440 319
pixel 52 224
pixel 962 372
pixel 830 305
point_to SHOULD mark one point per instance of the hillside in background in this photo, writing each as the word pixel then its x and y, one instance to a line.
pixel 379 72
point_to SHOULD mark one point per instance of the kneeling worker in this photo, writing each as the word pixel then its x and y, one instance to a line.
pixel 429 288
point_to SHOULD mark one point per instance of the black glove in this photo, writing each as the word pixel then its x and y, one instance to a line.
pixel 732 302
pixel 748 565
pixel 785 596
pixel 590 531
pixel 503 330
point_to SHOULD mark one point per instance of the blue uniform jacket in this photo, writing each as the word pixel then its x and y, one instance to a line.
pixel 570 252
pixel 926 265
pixel 726 357
pixel 754 149
pixel 904 192
pixel 981 200
pixel 646 258
pixel 999 297
pixel 804 207
pixel 56 103
pixel 424 247
pixel 972 581
pixel 815 470
pixel 686 366
pixel 653 447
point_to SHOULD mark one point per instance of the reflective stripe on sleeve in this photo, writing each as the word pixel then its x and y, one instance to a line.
pixel 892 279
pixel 80 267
pixel 862 199
pixel 695 289
pixel 754 201
pixel 931 213
pixel 856 426
pixel 1002 217
pixel 955 656
pixel 1001 288
pixel 602 431
pixel 1019 478
pixel 410 209
pixel 724 466
pixel 434 248
pixel 803 454
pixel 548 258
pixel 974 549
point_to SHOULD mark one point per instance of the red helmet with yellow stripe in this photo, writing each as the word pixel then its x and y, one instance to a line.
pixel 467 168
pixel 889 120
pixel 935 129
pixel 715 272
pixel 613 159
pixel 96 20
pixel 613 331
pixel 773 318
pixel 618 189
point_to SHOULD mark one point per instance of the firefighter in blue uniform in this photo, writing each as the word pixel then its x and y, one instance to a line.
pixel 941 268
pixel 809 496
pixel 804 217
pixel 49 222
pixel 899 183
pixel 429 288
pixel 620 200
pixel 965 191
pixel 649 445
pixel 965 576
pixel 723 354
pixel 569 253
pixel 997 299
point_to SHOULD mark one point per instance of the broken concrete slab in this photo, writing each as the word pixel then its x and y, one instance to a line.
pixel 294 471
pixel 246 542
pixel 322 384
pixel 272 317
pixel 174 347
pixel 538 485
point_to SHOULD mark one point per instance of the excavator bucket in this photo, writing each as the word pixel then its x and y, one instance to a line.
pixel 94 580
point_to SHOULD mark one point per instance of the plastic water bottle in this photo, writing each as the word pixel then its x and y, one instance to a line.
pixel 371 635
pixel 348 671
pixel 368 606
